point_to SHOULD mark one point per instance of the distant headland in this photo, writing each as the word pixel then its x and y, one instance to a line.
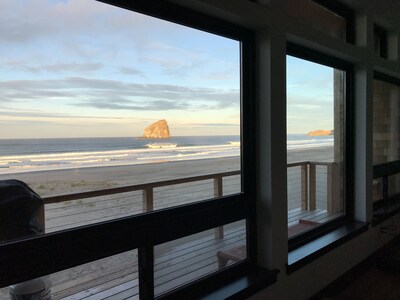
pixel 157 130
pixel 320 132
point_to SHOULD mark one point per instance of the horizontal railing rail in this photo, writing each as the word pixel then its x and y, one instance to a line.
pixel 386 169
pixel 301 163
pixel 148 192
pixel 383 171
pixel 306 188
pixel 136 187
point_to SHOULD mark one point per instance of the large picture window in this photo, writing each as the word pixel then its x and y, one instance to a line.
pixel 317 103
pixel 133 125
pixel 162 112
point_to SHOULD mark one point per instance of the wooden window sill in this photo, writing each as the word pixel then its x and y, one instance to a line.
pixel 229 286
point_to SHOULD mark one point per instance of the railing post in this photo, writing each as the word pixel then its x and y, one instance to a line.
pixel 41 218
pixel 329 189
pixel 385 191
pixel 304 186
pixel 148 199
pixel 218 192
pixel 313 186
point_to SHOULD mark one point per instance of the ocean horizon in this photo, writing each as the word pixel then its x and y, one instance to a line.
pixel 22 155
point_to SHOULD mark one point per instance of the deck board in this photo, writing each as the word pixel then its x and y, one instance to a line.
pixel 117 279
pixel 176 263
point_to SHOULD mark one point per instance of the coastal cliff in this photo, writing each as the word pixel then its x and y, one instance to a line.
pixel 157 130
pixel 320 132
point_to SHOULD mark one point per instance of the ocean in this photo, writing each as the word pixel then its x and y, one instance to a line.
pixel 22 155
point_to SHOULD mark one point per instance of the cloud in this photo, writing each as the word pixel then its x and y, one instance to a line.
pixel 68 67
pixel 309 99
pixel 37 114
pixel 306 106
pixel 61 18
pixel 112 94
pixel 20 25
pixel 131 105
pixel 58 68
pixel 172 59
pixel 130 71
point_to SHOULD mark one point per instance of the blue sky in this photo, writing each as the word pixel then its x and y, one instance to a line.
pixel 78 68
pixel 81 68
pixel 309 96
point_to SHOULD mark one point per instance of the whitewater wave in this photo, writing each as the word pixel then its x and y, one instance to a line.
pixel 67 160
pixel 82 159
pixel 311 143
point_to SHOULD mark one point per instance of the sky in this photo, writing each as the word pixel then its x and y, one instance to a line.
pixel 309 96
pixel 82 68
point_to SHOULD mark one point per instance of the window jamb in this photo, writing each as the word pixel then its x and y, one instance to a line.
pixel 381 33
pixel 348 148
pixel 389 205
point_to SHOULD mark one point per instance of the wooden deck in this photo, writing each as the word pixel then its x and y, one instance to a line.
pixel 176 262
pixel 300 220
pixel 317 215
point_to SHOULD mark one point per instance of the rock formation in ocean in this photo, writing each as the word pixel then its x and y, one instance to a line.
pixel 157 130
pixel 320 132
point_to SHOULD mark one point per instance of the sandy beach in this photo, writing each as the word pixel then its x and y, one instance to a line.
pixel 59 182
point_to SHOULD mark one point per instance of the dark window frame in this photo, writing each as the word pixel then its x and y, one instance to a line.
pixel 387 206
pixel 348 193
pixel 68 248
pixel 343 11
pixel 381 33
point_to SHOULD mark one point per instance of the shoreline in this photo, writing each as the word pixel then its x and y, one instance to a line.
pixel 74 180
pixel 311 153
pixel 81 179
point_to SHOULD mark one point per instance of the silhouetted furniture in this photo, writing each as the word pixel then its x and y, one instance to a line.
pixel 21 210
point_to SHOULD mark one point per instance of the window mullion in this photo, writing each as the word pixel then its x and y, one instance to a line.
pixel 146 272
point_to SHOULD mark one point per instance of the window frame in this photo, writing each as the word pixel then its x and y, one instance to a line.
pixel 381 33
pixel 342 11
pixel 57 251
pixel 348 155
pixel 389 205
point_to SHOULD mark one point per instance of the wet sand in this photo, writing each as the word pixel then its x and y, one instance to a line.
pixel 66 181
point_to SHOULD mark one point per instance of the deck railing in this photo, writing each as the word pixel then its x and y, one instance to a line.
pixel 384 176
pixel 148 192
pixel 311 184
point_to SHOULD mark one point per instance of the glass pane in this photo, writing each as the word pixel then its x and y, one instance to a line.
pixel 186 259
pixel 318 17
pixel 114 277
pixel 386 122
pixel 377 44
pixel 315 130
pixel 393 185
pixel 380 41
pixel 115 99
